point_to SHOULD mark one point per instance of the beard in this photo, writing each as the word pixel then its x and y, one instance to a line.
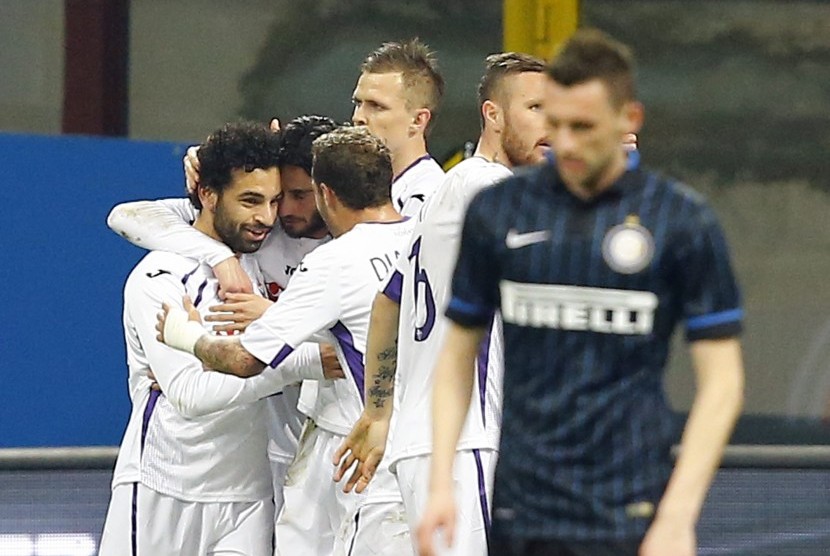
pixel 295 229
pixel 232 232
pixel 517 151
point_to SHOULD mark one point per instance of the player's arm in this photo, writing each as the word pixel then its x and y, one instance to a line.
pixel 710 300
pixel 181 328
pixel 190 390
pixel 165 225
pixel 717 405
pixel 366 442
pixel 309 305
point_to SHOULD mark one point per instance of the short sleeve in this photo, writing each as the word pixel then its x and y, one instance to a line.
pixel 710 296
pixel 309 304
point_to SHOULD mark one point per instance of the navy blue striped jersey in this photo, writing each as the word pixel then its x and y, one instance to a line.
pixel 590 293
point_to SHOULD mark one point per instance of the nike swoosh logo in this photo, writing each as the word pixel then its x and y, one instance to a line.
pixel 515 240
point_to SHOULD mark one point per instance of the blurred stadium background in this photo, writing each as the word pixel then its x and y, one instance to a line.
pixel 737 96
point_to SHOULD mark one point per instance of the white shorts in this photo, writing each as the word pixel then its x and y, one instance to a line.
pixel 315 507
pixel 473 474
pixel 140 521
pixel 375 530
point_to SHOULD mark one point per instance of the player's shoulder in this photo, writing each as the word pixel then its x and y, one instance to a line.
pixel 478 170
pixel 172 263
pixel 523 183
pixel 430 167
pixel 160 271
pixel 426 173
pixel 368 232
pixel 694 204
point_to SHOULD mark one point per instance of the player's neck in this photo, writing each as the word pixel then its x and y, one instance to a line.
pixel 348 220
pixel 407 155
pixel 489 147
pixel 204 223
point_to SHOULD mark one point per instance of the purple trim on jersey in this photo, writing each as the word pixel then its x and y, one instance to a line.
pixel 394 287
pixel 482 361
pixel 354 359
pixel 354 535
pixel 148 412
pixel 281 355
pixel 411 166
pixel 482 492
pixel 187 276
pixel 402 219
pixel 134 522
pixel 199 294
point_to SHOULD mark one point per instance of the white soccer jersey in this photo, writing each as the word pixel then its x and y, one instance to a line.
pixel 421 283
pixel 412 187
pixel 203 439
pixel 163 225
pixel 330 299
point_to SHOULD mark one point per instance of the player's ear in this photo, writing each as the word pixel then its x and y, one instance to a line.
pixel 208 197
pixel 421 121
pixel 327 194
pixel 634 115
pixel 491 115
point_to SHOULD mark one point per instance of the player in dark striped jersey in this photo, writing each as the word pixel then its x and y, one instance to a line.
pixel 592 265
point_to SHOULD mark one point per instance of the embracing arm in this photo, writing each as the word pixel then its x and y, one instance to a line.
pixel 227 355
pixel 165 225
pixel 717 404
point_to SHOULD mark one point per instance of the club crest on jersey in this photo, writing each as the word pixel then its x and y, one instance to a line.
pixel 628 247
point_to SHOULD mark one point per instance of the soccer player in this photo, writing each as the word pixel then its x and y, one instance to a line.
pixel 163 225
pixel 328 299
pixel 409 314
pixel 397 96
pixel 192 474
pixel 592 265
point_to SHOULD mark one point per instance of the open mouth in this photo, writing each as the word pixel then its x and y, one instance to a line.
pixel 257 234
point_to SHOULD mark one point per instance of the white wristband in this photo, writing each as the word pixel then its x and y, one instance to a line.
pixel 180 332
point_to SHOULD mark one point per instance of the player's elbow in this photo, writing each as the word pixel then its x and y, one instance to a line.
pixel 248 369
pixel 120 216
pixel 244 366
pixel 190 406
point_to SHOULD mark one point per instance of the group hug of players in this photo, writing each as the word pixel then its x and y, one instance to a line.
pixel 317 341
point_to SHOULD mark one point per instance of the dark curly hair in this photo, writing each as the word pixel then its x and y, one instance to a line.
pixel 297 137
pixel 241 145
pixel 354 164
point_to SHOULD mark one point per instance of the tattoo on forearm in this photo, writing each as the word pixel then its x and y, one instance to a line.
pixel 383 386
pixel 227 356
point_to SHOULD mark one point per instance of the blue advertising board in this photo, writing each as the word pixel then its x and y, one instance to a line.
pixel 62 271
